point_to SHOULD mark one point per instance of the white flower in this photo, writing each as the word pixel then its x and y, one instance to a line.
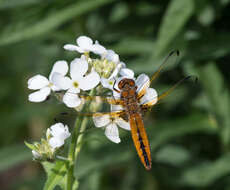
pixel 99 49
pixel 125 72
pixel 151 95
pixel 121 70
pixel 84 45
pixel 44 85
pixel 108 83
pixel 36 155
pixel 128 73
pixel 78 81
pixel 59 134
pixel 110 124
pixel 58 130
pixel 110 55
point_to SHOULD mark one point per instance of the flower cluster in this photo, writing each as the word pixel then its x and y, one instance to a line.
pixel 104 69
pixel 47 148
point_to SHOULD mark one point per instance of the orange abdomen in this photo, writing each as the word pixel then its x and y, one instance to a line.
pixel 140 139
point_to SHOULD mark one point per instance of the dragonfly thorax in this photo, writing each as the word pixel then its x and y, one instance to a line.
pixel 129 96
pixel 126 84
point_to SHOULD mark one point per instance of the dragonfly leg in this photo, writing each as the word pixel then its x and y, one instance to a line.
pixel 118 91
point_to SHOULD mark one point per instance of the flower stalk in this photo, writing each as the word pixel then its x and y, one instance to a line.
pixel 76 143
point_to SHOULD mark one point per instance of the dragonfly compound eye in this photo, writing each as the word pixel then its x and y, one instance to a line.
pixel 121 84
pixel 126 83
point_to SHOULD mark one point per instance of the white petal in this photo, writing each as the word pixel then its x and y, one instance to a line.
pixel 56 142
pixel 67 133
pixel 116 94
pixel 142 81
pixel 59 67
pixel 71 47
pixel 71 100
pixel 90 81
pixel 112 56
pixel 127 73
pixel 107 83
pixel 116 108
pixel 122 64
pixel 60 131
pixel 40 95
pixel 37 82
pixel 98 49
pixel 116 71
pixel 73 90
pixel 150 96
pixel 36 155
pixel 61 81
pixel 112 133
pixel 84 42
pixel 54 88
pixel 101 121
pixel 48 134
pixel 122 123
pixel 78 68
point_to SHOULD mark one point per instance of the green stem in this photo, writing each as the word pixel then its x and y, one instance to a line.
pixel 80 137
pixel 63 159
pixel 76 142
pixel 70 177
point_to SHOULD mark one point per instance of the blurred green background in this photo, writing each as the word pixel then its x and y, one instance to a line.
pixel 189 132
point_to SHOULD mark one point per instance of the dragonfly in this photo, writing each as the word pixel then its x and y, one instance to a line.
pixel 134 110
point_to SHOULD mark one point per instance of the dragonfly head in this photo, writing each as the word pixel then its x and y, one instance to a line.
pixel 126 83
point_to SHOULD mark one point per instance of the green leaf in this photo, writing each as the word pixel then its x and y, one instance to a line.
pixel 218 96
pixel 133 46
pixel 177 127
pixel 63 182
pixel 50 22
pixel 13 155
pixel 56 174
pixel 93 180
pixel 173 155
pixel 208 172
pixel 176 16
pixel 6 4
pixel 209 47
pixel 95 160
pixel 31 146
pixel 119 12
pixel 207 16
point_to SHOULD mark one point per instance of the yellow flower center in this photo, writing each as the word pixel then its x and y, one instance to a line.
pixel 111 83
pixel 50 84
pixel 75 84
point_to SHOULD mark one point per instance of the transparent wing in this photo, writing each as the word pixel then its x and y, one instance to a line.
pixel 67 116
pixel 108 99
pixel 96 114
pixel 170 59
pixel 163 95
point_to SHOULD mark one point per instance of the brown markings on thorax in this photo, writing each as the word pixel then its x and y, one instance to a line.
pixel 129 96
